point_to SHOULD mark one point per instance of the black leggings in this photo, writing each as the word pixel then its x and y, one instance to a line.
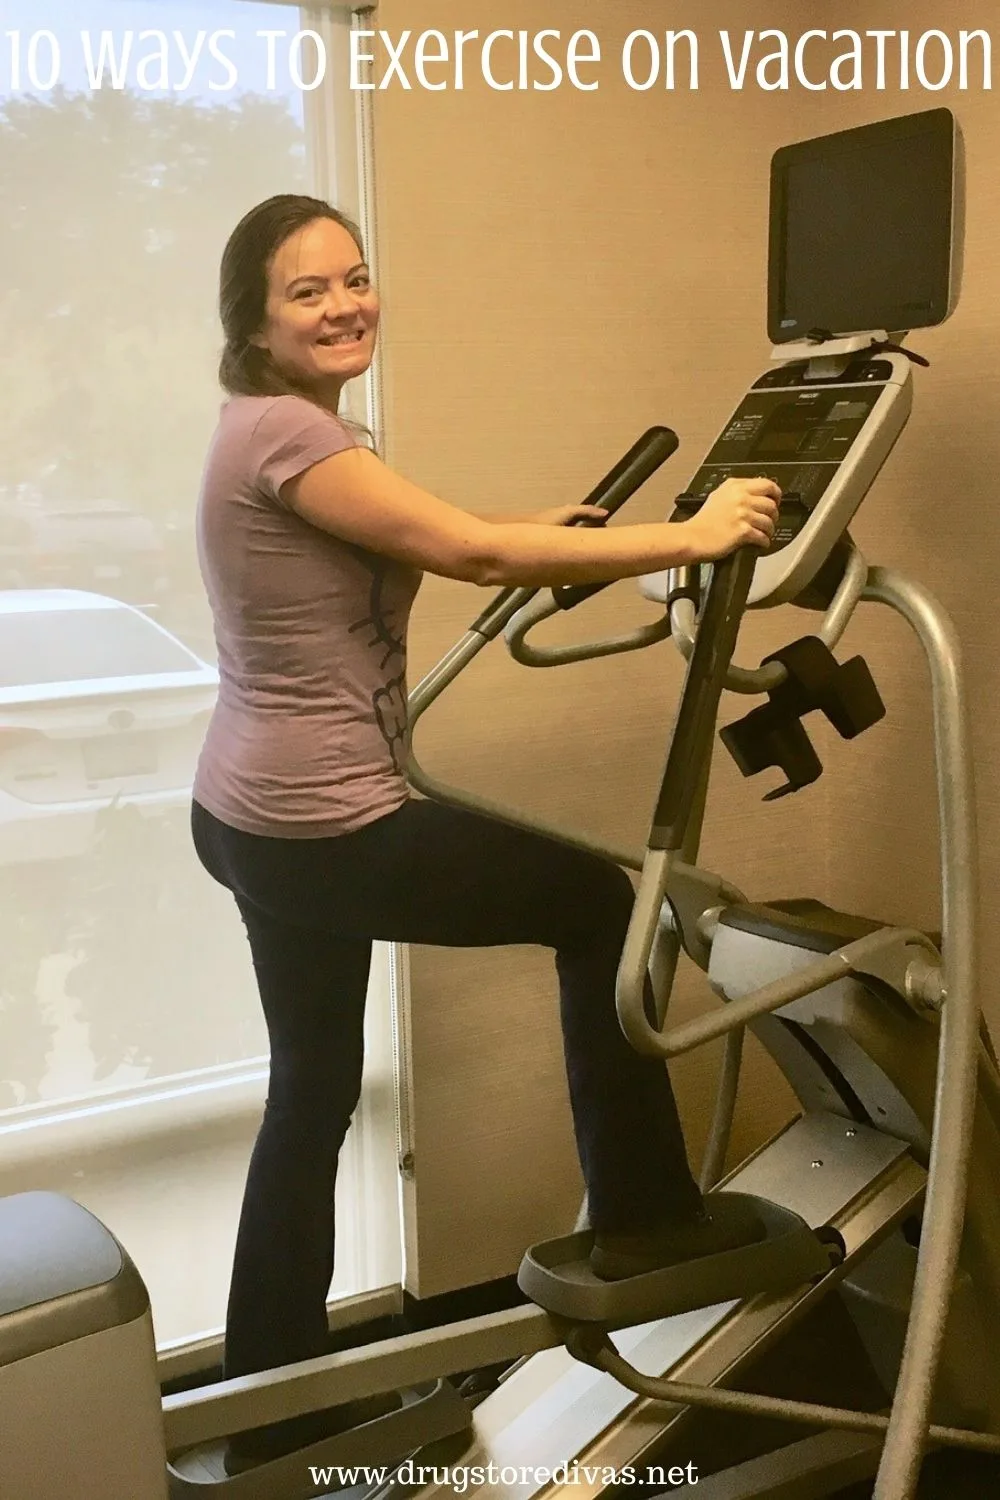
pixel 423 874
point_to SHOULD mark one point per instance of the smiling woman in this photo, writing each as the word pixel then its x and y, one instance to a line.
pixel 311 551
pixel 309 323
pixel 320 298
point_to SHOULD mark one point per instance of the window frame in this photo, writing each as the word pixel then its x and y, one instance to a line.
pixel 340 168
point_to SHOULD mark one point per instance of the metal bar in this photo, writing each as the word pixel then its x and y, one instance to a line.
pixel 393 1364
pixel 440 676
pixel 420 699
pixel 737 1013
pixel 748 680
pixel 501 610
pixel 642 933
pixel 666 947
pixel 955 1094
pixel 694 727
pixel 557 656
pixel 720 1130
pixel 754 680
pixel 852 958
pixel 663 959
pixel 845 601
pixel 826 969
pixel 691 841
pixel 749 1403
pixel 680 806
pixel 620 483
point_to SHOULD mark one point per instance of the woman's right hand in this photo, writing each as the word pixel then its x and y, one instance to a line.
pixel 740 512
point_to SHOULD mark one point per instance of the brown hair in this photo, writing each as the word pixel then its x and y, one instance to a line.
pixel 244 368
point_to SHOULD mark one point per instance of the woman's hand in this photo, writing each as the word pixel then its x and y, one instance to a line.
pixel 740 512
pixel 565 515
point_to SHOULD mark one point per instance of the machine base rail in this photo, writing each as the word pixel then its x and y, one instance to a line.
pixel 557 1276
pixel 592 1346
pixel 428 1414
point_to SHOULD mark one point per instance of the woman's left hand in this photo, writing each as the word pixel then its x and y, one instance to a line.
pixel 565 515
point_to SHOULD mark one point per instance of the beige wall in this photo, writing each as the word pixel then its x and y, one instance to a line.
pixel 559 271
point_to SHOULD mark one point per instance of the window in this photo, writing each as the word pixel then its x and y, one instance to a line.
pixel 127 1002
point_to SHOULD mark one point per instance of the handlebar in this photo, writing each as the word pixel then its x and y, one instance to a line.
pixel 618 485
pixel 641 461
pixel 754 680
pixel 694 730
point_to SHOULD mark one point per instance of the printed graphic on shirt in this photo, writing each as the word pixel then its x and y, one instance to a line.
pixel 389 700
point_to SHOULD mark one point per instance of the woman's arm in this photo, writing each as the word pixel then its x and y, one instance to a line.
pixel 559 515
pixel 356 497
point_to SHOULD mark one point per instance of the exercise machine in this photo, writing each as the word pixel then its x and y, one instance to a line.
pixel 876 1028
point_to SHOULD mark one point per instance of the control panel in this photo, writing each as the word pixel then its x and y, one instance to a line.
pixel 822 438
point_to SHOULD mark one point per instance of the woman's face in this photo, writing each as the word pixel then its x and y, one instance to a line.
pixel 322 311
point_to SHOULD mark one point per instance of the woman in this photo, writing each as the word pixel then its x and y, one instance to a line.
pixel 311 551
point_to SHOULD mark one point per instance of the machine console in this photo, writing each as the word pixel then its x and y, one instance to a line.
pixel 864 241
pixel 822 440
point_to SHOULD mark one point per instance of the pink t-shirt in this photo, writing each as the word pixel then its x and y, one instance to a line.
pixel 308 737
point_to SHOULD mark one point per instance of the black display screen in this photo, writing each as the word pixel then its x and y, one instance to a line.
pixel 777 444
pixel 861 228
pixel 782 434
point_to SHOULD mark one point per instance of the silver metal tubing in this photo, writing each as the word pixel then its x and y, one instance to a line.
pixel 714 1160
pixel 955 1094
pixel 447 669
pixel 715 1398
pixel 737 1013
pixel 845 600
pixel 749 680
pixel 198 1416
pixel 642 934
pixel 851 958
pixel 544 608
pixel 754 680
pixel 420 699
pixel 663 968
pixel 666 947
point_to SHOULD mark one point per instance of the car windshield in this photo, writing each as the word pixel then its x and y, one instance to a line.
pixel 74 645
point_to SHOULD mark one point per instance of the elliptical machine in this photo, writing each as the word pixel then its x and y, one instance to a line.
pixel 851 1010
pixel 876 1028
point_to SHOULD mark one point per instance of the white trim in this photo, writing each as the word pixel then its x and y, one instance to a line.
pixel 368 220
pixel 399 999
pixel 98 1123
pixel 184 1357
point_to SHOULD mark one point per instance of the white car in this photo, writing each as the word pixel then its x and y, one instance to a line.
pixel 98 705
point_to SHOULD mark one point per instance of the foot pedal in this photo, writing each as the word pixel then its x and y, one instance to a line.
pixel 557 1275
pixel 428 1414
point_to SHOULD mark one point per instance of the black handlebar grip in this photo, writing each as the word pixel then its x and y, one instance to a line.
pixel 620 483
